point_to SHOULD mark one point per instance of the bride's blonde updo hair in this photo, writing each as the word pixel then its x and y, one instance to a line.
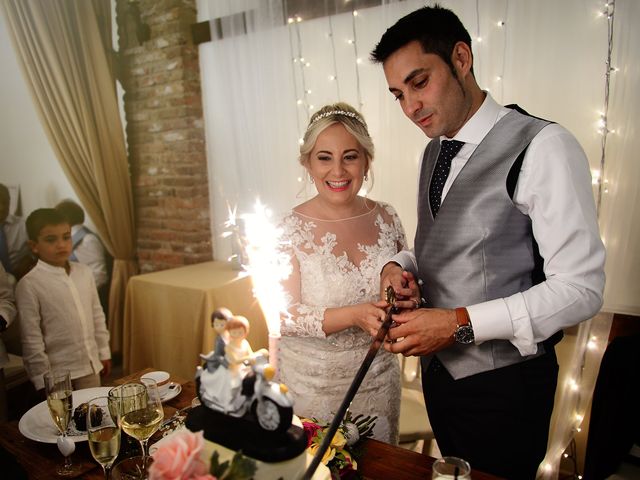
pixel 328 115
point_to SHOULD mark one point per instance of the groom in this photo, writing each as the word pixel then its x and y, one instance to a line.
pixel 507 249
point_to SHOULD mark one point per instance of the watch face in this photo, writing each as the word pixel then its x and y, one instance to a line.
pixel 464 334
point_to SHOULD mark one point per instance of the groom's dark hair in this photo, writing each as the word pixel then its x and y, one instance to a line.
pixel 437 29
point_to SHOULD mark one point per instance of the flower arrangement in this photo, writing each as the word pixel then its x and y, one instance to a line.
pixel 341 455
pixel 180 458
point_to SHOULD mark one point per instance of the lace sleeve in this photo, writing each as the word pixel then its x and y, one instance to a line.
pixel 300 320
pixel 401 239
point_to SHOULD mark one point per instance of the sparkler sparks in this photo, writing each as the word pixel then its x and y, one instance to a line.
pixel 267 265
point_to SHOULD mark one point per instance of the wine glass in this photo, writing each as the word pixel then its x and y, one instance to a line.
pixel 103 431
pixel 143 416
pixel 60 402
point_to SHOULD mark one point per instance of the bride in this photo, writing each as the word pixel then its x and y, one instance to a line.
pixel 338 241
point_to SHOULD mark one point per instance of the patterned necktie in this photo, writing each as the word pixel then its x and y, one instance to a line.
pixel 448 150
pixel 4 250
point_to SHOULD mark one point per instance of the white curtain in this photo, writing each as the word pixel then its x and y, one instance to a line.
pixel 548 56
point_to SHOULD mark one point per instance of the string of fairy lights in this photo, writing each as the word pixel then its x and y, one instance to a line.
pixel 302 93
pixel 594 344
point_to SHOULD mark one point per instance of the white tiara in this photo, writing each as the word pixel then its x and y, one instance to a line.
pixel 339 112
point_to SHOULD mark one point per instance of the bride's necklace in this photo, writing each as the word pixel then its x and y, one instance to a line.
pixel 367 211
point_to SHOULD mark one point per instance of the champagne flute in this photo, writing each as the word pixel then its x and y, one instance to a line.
pixel 103 431
pixel 60 402
pixel 145 419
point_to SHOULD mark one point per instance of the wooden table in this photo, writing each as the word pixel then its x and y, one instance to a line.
pixel 167 315
pixel 381 461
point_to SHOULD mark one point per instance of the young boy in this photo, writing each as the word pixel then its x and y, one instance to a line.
pixel 62 324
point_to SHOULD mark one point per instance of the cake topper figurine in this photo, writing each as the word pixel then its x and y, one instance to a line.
pixel 240 382
pixel 240 402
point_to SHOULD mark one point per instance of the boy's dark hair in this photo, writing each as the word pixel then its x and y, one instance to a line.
pixel 71 211
pixel 437 29
pixel 40 218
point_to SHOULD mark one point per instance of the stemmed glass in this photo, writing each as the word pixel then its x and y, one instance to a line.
pixel 143 416
pixel 103 431
pixel 60 402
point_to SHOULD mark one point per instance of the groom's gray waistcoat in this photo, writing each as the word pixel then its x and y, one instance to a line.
pixel 480 246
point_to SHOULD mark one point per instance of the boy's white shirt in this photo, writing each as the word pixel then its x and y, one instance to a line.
pixel 62 324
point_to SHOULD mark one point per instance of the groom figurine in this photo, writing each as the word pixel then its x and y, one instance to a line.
pixel 507 250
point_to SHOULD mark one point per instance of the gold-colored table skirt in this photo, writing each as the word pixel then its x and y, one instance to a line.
pixel 167 315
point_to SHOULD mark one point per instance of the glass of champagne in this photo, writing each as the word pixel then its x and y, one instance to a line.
pixel 103 431
pixel 60 402
pixel 144 418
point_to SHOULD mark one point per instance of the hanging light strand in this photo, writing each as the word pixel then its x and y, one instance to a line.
pixel 355 52
pixel 503 25
pixel 301 64
pixel 333 53
pixel 293 73
pixel 609 11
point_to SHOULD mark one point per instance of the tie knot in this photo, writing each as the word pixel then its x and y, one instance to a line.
pixel 450 148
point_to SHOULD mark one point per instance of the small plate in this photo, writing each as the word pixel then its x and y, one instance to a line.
pixel 38 425
pixel 173 392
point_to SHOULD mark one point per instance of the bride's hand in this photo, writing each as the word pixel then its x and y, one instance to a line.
pixel 368 316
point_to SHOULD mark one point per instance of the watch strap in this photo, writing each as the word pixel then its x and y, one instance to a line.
pixel 462 317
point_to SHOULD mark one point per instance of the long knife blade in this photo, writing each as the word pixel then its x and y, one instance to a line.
pixel 355 384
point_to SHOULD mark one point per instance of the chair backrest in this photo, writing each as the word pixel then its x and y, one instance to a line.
pixel 410 367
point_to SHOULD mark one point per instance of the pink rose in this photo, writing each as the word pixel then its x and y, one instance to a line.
pixel 178 458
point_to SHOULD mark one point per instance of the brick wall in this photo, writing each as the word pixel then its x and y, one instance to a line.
pixel 165 133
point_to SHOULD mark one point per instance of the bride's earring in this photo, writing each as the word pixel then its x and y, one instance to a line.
pixel 311 179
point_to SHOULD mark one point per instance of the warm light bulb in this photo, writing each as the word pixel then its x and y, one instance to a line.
pixel 479 39
pixel 501 23
pixel 300 141
pixel 358 60
pixel 299 102
pixel 298 18
pixel 289 20
pixel 350 42
pixel 355 13
pixel 332 77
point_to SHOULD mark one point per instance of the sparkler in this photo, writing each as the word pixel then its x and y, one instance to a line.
pixel 268 266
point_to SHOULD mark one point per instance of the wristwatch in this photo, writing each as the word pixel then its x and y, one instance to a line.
pixel 464 330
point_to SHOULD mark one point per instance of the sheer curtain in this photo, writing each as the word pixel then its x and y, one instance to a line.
pixel 62 50
pixel 266 70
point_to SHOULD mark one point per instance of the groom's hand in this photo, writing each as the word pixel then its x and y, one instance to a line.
pixel 421 332
pixel 403 283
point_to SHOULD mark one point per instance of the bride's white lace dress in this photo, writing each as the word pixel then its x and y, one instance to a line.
pixel 338 263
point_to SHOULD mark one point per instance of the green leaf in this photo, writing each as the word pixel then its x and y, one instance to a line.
pixel 217 469
pixel 242 468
